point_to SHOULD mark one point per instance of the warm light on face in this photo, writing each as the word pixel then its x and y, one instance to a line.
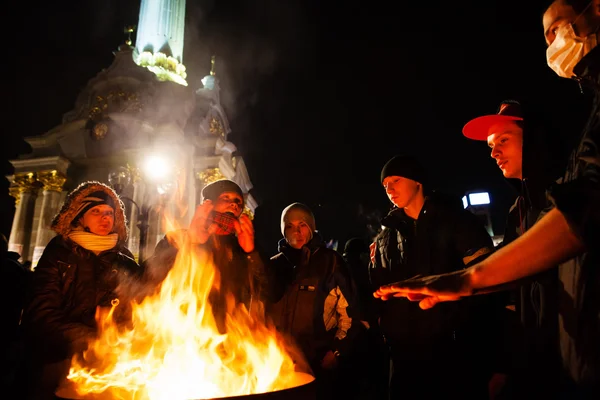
pixel 99 219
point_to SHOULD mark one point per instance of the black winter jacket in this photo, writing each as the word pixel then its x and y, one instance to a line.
pixel 67 285
pixel 312 298
pixel 444 238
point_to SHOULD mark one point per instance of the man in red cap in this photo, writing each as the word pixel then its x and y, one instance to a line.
pixel 533 354
pixel 569 233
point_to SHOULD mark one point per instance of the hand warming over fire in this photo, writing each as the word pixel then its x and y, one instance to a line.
pixel 429 290
pixel 330 361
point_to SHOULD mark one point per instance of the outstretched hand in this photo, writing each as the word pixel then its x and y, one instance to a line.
pixel 245 233
pixel 429 290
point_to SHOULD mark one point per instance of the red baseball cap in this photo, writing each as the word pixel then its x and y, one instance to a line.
pixel 477 129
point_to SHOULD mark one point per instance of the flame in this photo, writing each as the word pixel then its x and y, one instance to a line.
pixel 173 348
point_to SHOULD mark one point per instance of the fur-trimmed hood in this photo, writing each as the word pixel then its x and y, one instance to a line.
pixel 62 222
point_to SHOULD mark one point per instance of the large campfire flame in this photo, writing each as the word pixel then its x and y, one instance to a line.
pixel 174 350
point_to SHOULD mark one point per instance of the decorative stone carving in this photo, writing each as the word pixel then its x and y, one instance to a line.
pixel 25 182
pixel 216 128
pixel 52 180
pixel 114 101
pixel 210 175
pixel 248 212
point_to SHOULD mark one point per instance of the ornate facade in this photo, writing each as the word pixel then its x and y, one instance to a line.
pixel 126 114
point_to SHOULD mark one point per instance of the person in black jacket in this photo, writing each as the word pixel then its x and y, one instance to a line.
pixel 313 301
pixel 425 232
pixel 80 271
pixel 514 140
pixel 568 234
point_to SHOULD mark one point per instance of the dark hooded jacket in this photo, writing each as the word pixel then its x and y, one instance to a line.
pixel 444 238
pixel 239 273
pixel 312 298
pixel 70 282
pixel 577 196
pixel 543 160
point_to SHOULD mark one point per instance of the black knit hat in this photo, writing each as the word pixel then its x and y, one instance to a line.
pixel 212 191
pixel 94 199
pixel 405 166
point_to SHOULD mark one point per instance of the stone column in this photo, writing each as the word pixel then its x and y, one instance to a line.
pixel 25 188
pixel 53 182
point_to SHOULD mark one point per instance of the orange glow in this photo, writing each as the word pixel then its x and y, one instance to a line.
pixel 174 349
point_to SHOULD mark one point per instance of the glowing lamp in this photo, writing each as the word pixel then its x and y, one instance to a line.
pixel 477 199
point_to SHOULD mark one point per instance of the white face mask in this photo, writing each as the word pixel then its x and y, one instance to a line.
pixel 567 50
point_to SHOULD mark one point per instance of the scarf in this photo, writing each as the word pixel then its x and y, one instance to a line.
pixel 92 242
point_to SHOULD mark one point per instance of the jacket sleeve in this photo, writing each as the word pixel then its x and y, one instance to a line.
pixel 347 307
pixel 157 267
pixel 44 318
pixel 257 275
pixel 579 199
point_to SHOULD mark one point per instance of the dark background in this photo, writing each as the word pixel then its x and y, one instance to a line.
pixel 320 94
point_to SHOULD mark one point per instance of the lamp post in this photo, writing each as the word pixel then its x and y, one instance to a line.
pixel 120 178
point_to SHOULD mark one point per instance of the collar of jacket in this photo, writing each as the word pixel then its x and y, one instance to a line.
pixel 313 245
pixel 587 71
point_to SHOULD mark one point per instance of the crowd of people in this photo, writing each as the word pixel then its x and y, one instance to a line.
pixel 429 308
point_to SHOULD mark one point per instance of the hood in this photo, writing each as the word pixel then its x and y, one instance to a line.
pixel 544 154
pixel 62 223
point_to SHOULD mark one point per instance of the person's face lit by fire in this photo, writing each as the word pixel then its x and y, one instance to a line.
pixel 99 219
pixel 401 191
pixel 555 16
pixel 297 232
pixel 229 202
pixel 506 141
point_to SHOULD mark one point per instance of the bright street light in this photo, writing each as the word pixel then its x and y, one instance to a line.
pixel 156 168
pixel 477 199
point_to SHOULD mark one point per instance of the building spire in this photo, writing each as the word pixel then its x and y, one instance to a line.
pixel 159 40
pixel 212 66
pixel 129 30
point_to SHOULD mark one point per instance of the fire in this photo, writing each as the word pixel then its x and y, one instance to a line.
pixel 174 350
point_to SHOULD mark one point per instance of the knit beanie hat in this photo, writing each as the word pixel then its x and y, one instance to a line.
pixel 405 166
pixel 297 211
pixel 92 200
pixel 212 191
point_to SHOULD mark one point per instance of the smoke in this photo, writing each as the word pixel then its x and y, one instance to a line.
pixel 371 218
pixel 248 39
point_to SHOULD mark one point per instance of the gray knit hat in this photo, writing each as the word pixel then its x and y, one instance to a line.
pixel 297 211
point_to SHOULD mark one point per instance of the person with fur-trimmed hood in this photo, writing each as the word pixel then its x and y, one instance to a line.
pixel 312 298
pixel 79 271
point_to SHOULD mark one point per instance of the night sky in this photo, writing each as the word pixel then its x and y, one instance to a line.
pixel 320 94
